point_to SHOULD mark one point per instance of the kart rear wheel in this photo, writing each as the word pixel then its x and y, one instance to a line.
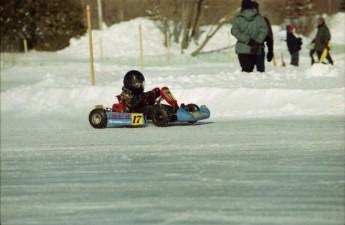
pixel 98 118
pixel 160 116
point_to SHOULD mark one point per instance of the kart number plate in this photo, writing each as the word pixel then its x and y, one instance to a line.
pixel 137 119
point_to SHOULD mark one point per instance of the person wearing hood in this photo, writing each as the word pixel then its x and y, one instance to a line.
pixel 321 41
pixel 250 29
pixel 294 45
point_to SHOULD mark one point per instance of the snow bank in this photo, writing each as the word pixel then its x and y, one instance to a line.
pixel 120 40
pixel 60 83
pixel 226 94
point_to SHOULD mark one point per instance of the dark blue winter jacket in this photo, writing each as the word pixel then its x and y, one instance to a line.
pixel 294 44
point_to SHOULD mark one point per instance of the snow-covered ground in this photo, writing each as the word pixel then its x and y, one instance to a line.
pixel 273 151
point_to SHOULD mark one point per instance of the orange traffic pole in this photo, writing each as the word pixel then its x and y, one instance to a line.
pixel 283 63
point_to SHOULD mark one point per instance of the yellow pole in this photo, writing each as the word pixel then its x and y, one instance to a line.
pixel 26 52
pixel 90 45
pixel 141 47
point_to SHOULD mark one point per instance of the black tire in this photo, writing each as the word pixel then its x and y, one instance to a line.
pixel 98 118
pixel 160 116
pixel 192 107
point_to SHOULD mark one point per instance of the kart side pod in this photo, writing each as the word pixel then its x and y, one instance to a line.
pixel 103 117
pixel 187 116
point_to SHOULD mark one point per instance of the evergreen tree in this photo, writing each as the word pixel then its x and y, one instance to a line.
pixel 45 24
pixel 56 23
pixel 16 23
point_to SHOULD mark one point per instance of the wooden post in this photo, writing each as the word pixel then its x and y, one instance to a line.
pixel 90 45
pixel 141 47
pixel 25 52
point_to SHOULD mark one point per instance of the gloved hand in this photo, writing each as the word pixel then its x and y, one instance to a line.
pixel 155 92
pixel 254 50
pixel 148 95
pixel 255 46
pixel 269 56
pixel 253 43
pixel 151 97
pixel 324 43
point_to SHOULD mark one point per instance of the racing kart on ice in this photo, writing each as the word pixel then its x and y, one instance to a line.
pixel 161 114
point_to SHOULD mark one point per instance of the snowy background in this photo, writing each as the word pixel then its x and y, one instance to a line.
pixel 271 153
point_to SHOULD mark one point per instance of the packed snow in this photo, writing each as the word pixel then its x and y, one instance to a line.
pixel 210 79
pixel 271 153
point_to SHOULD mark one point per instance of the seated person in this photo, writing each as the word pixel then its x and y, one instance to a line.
pixel 133 95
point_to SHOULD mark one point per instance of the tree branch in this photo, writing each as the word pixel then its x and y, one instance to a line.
pixel 221 22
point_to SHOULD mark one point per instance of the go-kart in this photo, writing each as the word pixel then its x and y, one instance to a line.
pixel 161 114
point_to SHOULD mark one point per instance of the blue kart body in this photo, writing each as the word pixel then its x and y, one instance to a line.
pixel 185 116
pixel 161 115
pixel 120 119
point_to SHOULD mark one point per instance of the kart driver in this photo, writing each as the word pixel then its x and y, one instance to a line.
pixel 136 100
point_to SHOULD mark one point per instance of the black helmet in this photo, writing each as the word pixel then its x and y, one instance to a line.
pixel 134 81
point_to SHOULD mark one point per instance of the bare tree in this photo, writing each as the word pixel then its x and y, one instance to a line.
pixel 224 20
pixel 300 14
pixel 176 22
pixel 200 4
pixel 192 18
pixel 187 13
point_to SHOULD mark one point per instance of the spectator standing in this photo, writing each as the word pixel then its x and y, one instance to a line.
pixel 321 41
pixel 260 60
pixel 250 29
pixel 294 45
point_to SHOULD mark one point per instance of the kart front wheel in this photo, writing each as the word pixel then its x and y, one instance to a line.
pixel 98 118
